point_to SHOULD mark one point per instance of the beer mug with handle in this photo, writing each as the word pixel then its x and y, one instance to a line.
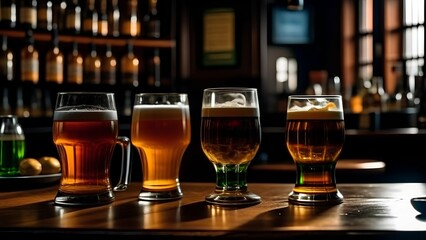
pixel 85 132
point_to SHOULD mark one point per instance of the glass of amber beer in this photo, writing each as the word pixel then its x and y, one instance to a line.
pixel 315 134
pixel 85 132
pixel 230 138
pixel 161 132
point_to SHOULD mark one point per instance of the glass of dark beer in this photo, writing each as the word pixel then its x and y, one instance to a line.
pixel 85 132
pixel 161 132
pixel 315 134
pixel 230 138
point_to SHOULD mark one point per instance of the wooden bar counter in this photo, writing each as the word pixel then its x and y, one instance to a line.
pixel 369 211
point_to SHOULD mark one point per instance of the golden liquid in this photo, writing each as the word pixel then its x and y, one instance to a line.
pixel 85 147
pixel 161 134
pixel 229 139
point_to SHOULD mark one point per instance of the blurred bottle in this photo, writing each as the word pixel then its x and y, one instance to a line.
pixel 45 15
pixel 90 19
pixel 102 17
pixel 29 60
pixel 109 67
pixel 75 66
pixel 8 13
pixel 6 76
pixel 421 114
pixel 373 100
pixel 152 21
pixel 129 67
pixel 29 95
pixel 60 14
pixel 73 17
pixel 403 96
pixel 154 69
pixel 28 14
pixel 6 61
pixel 54 72
pixel 92 67
pixel 129 77
pixel 130 22
pixel 55 60
pixel 113 18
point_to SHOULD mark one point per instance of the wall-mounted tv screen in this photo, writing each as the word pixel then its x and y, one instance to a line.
pixel 290 26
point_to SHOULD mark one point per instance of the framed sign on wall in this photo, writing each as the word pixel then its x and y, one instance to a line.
pixel 219 37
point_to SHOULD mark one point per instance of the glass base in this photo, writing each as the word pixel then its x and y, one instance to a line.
pixel 331 198
pixel 67 199
pixel 160 196
pixel 233 198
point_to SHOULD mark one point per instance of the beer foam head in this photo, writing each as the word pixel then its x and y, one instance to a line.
pixel 229 111
pixel 324 111
pixel 161 111
pixel 84 115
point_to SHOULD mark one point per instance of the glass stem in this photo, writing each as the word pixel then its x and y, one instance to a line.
pixel 231 177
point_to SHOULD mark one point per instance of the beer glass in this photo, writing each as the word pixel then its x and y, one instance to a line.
pixel 161 132
pixel 230 138
pixel 85 132
pixel 315 134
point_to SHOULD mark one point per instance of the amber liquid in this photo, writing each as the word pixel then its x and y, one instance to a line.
pixel 314 146
pixel 161 134
pixel 85 142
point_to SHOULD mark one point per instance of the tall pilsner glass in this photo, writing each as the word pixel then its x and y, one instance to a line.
pixel 315 134
pixel 85 131
pixel 161 131
pixel 230 138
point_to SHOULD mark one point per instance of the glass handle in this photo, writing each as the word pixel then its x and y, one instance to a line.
pixel 126 166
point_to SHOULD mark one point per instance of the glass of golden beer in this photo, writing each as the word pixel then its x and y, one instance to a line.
pixel 230 138
pixel 315 134
pixel 85 132
pixel 161 132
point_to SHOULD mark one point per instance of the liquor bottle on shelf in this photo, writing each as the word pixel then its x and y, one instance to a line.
pixel 54 72
pixel 5 107
pixel 113 18
pixel 109 67
pixel 129 67
pixel 129 77
pixel 59 13
pixel 421 114
pixel 29 95
pixel 45 15
pixel 6 61
pixel 55 60
pixel 8 13
pixel 75 66
pixel 29 60
pixel 73 17
pixel 90 19
pixel 6 75
pixel 28 14
pixel 153 69
pixel 152 21
pixel 102 17
pixel 92 67
pixel 130 22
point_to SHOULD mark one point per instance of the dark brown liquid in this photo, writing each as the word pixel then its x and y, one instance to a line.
pixel 314 146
